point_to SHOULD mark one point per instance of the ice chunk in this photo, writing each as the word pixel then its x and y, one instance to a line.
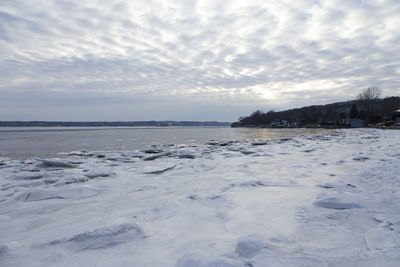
pixel 247 152
pixel 37 195
pixel 77 153
pixel 73 180
pixel 95 174
pixel 327 185
pixel 210 201
pixel 164 154
pixel 29 177
pixel 68 193
pixel 152 151
pixel 56 163
pixel 213 143
pixel 361 159
pixel 333 203
pixel 259 143
pixel 132 154
pixel 219 143
pixel 252 184
pixel 248 247
pixel 75 161
pixel 103 237
pixel 157 169
pixel 30 169
pixel 185 156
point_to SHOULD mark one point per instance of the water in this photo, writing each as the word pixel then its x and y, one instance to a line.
pixel 22 143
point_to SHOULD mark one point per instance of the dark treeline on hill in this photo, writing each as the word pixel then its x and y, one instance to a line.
pixel 109 123
pixel 339 114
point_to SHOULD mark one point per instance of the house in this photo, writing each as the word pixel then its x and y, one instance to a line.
pixel 277 123
pixel 356 123
pixel 396 116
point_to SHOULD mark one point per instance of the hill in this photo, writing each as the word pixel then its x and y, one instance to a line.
pixel 339 113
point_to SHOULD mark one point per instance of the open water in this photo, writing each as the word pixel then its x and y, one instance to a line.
pixel 22 143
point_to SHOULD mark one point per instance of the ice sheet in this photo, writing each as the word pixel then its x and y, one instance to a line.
pixel 325 200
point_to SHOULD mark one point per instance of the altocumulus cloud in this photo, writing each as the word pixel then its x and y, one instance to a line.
pixel 190 60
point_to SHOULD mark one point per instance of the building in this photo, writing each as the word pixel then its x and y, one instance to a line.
pixel 396 116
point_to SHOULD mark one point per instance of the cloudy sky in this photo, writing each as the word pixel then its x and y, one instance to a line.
pixel 191 60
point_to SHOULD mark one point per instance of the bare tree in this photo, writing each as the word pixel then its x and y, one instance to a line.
pixel 370 93
pixel 367 97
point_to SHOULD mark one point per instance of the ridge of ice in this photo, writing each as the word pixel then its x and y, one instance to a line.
pixel 102 238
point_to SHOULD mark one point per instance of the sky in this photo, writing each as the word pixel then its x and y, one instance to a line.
pixel 97 60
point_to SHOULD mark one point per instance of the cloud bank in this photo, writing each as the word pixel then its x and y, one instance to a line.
pixel 191 60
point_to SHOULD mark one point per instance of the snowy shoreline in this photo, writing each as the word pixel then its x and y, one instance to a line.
pixel 325 200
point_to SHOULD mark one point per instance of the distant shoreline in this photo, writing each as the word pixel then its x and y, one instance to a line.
pixel 110 123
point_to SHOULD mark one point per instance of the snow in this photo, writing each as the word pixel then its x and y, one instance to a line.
pixel 325 200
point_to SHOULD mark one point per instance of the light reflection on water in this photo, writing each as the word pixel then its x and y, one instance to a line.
pixel 22 143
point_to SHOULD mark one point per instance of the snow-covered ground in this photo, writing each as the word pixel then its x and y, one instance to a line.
pixel 326 200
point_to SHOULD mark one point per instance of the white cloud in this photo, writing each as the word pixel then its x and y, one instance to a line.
pixel 182 54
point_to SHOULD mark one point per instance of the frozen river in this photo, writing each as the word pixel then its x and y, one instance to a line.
pixel 22 143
